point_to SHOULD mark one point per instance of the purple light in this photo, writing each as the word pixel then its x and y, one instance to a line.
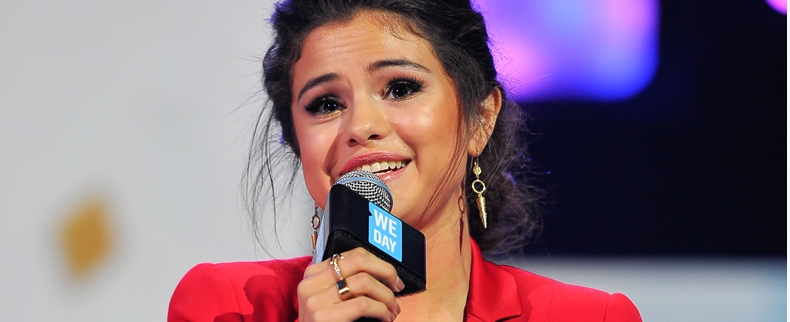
pixel 599 50
pixel 778 5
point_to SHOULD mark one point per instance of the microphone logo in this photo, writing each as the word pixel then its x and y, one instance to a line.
pixel 385 232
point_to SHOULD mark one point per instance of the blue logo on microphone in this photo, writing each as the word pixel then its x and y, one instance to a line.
pixel 385 232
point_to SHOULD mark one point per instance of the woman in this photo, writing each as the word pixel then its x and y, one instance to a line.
pixel 407 89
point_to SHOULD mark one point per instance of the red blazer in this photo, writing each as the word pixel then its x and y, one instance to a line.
pixel 266 291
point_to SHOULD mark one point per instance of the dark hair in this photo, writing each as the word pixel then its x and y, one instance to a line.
pixel 459 39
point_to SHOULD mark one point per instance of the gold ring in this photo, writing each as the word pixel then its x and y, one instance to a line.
pixel 335 266
pixel 343 290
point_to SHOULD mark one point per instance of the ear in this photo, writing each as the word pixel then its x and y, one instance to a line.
pixel 482 130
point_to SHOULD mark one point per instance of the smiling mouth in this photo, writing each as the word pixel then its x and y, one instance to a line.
pixel 383 167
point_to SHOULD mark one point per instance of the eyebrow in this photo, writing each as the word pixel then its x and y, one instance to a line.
pixel 397 63
pixel 381 64
pixel 317 81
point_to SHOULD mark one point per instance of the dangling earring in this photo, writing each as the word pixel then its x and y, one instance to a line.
pixel 315 222
pixel 478 186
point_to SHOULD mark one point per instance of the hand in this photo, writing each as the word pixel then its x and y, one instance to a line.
pixel 372 283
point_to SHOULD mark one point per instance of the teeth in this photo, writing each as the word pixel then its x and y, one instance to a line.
pixel 382 166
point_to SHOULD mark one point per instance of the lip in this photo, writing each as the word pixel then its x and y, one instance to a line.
pixel 361 160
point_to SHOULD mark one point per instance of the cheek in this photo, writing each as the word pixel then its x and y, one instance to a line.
pixel 314 147
pixel 435 128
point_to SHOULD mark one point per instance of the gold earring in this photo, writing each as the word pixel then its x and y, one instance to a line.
pixel 315 222
pixel 478 186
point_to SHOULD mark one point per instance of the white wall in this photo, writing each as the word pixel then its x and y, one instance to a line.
pixel 141 103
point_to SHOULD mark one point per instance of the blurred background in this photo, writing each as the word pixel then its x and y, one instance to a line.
pixel 660 135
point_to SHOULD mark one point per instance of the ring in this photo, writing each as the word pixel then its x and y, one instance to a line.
pixel 335 266
pixel 343 290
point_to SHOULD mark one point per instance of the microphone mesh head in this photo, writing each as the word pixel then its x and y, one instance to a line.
pixel 368 185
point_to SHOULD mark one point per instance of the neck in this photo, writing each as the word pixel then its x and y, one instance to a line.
pixel 448 268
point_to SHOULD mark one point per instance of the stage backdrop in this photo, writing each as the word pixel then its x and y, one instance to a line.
pixel 124 128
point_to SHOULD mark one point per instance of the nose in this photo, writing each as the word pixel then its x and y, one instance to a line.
pixel 365 123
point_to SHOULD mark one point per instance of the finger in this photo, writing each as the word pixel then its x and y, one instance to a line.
pixel 363 284
pixel 315 268
pixel 316 284
pixel 355 261
pixel 322 278
pixel 319 267
pixel 360 285
pixel 360 260
pixel 354 309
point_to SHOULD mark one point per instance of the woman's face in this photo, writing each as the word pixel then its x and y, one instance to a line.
pixel 370 95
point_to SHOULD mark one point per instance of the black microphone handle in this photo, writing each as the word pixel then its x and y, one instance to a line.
pixel 347 226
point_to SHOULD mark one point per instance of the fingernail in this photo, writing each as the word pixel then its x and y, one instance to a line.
pixel 392 316
pixel 400 284
pixel 397 308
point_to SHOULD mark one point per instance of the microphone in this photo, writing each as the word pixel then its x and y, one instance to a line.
pixel 357 215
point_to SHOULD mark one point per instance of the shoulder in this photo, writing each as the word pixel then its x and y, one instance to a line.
pixel 551 300
pixel 210 292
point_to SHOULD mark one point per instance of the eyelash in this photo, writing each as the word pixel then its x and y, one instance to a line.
pixel 412 84
pixel 318 105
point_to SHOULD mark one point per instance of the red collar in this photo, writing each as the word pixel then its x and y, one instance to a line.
pixel 493 294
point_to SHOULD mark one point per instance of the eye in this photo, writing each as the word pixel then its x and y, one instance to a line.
pixel 400 89
pixel 325 104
